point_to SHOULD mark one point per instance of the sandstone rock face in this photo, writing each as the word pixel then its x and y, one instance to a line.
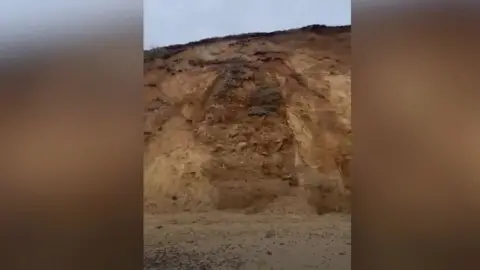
pixel 251 123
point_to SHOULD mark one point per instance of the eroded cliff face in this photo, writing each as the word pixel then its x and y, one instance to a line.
pixel 256 122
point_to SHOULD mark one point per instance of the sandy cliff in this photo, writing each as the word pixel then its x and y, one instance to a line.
pixel 254 123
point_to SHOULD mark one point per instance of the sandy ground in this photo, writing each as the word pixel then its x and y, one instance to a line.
pixel 238 241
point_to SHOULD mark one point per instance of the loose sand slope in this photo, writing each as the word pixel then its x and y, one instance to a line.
pixel 252 123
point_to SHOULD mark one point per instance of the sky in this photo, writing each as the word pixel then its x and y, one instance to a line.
pixel 167 22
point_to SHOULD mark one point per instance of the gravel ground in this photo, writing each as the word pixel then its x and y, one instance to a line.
pixel 236 241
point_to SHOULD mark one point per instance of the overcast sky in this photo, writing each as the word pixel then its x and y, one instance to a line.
pixel 169 22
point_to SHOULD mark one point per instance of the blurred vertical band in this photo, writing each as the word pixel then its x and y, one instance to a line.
pixel 71 142
pixel 416 124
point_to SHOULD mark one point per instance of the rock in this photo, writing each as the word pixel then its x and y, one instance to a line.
pixel 218 148
pixel 241 145
pixel 269 234
pixel 258 111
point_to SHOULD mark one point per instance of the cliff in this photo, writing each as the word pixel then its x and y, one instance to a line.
pixel 254 122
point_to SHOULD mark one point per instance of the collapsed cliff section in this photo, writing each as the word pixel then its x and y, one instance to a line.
pixel 252 123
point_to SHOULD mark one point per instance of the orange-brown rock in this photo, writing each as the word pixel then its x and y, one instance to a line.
pixel 254 122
